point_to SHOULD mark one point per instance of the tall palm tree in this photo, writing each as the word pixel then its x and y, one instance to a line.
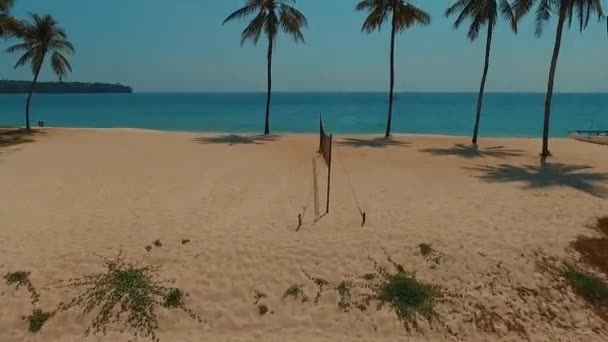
pixel 270 17
pixel 402 15
pixel 481 13
pixel 42 36
pixel 564 10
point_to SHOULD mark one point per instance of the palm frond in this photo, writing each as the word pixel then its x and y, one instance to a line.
pixel 378 13
pixel 507 12
pixel 588 14
pixel 60 33
pixel 25 58
pixel 292 21
pixel 62 45
pixel 580 12
pixel 483 13
pixel 570 10
pixel 9 26
pixel 272 16
pixel 467 11
pixel 254 29
pixel 37 61
pixel 271 26
pixel 584 9
pixel 475 26
pixel 596 7
pixel 374 20
pixel 458 6
pixel 407 15
pixel 61 66
pixel 543 13
pixel 19 47
pixel 369 5
pixel 299 18
pixel 243 12
pixel 522 7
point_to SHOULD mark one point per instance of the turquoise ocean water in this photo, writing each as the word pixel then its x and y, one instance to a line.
pixel 504 114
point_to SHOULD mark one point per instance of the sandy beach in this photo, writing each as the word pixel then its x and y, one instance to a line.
pixel 77 195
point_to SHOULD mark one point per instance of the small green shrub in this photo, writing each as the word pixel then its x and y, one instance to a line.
pixel 590 287
pixel 296 292
pixel 125 289
pixel 19 278
pixel 22 278
pixel 408 297
pixel 37 319
pixel 344 292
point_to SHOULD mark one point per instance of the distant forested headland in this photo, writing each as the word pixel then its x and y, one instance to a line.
pixel 19 87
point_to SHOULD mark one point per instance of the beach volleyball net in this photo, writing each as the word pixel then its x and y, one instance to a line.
pixel 325 155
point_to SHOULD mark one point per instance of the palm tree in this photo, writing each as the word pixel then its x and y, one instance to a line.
pixel 40 37
pixel 270 17
pixel 564 10
pixel 402 15
pixel 480 13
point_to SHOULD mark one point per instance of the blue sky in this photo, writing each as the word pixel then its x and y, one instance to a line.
pixel 181 45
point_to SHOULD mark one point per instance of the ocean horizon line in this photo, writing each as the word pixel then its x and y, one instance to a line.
pixel 370 92
pixel 332 92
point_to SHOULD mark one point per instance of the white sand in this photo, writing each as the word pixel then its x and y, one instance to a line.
pixel 78 194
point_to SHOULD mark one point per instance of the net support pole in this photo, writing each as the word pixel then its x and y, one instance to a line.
pixel 315 187
pixel 329 173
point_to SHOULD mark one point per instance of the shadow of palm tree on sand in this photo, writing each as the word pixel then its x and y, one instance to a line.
pixel 472 151
pixel 547 175
pixel 15 136
pixel 234 139
pixel 373 142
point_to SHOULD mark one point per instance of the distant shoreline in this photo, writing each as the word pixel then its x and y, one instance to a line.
pixel 396 135
pixel 24 87
pixel 337 92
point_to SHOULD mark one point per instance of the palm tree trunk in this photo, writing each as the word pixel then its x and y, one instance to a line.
pixel 558 42
pixel 29 97
pixel 483 83
pixel 389 118
pixel 267 124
